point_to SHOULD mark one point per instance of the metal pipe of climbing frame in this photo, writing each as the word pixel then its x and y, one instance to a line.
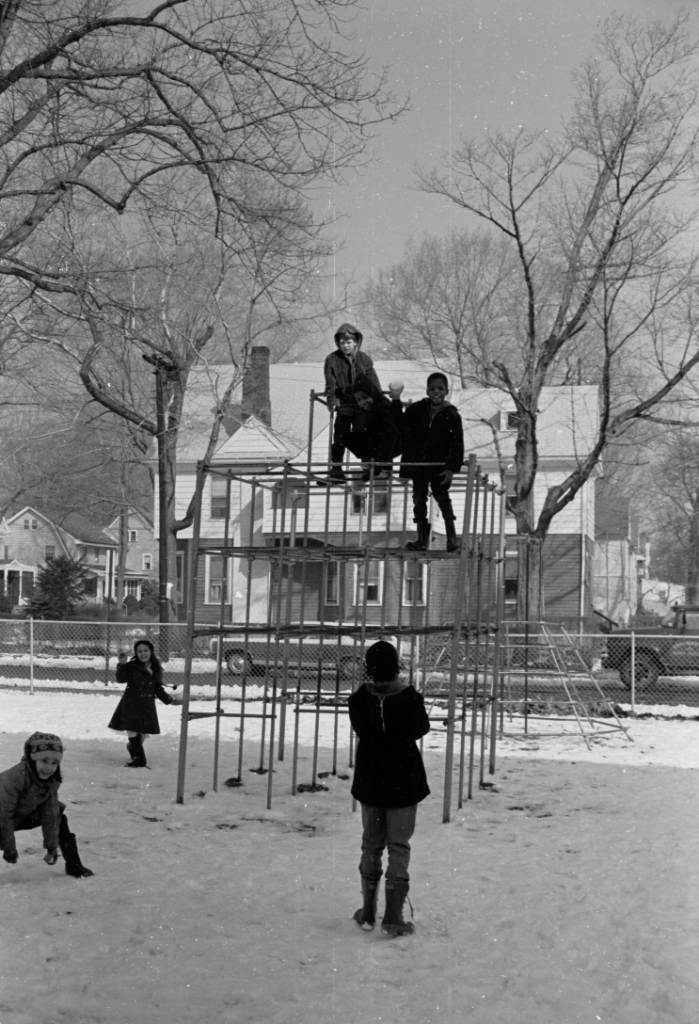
pixel 462 582
pixel 191 620
pixel 487 689
pixel 497 646
pixel 227 575
pixel 472 570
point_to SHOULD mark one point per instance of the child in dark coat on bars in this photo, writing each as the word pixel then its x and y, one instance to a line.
pixel 433 451
pixel 135 713
pixel 376 428
pixel 29 799
pixel 388 716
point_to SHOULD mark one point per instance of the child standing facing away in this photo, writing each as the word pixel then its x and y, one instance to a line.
pixel 432 433
pixel 135 713
pixel 388 716
pixel 29 799
pixel 341 371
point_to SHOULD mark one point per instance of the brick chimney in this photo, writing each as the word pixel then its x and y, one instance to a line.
pixel 256 395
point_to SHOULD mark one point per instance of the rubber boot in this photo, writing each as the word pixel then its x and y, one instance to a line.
pixel 69 848
pixel 396 895
pixel 366 915
pixel 138 754
pixel 452 541
pixel 423 536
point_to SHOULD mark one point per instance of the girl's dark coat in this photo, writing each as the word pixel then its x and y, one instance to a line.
pixel 389 771
pixel 22 795
pixel 431 439
pixel 135 711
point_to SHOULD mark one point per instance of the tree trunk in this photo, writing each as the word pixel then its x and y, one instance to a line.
pixel 123 551
pixel 530 571
pixel 692 594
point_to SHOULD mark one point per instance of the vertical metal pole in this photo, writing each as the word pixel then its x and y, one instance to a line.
pixel 497 647
pixel 462 583
pixel 191 621
pixel 225 568
pixel 31 652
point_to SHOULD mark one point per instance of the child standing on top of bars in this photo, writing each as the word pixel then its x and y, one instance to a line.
pixel 388 716
pixel 376 427
pixel 341 371
pixel 29 799
pixel 432 433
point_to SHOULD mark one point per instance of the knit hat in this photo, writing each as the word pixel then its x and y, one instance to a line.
pixel 364 385
pixel 43 744
pixel 382 661
pixel 348 329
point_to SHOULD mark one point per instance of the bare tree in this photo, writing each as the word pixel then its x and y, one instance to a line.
pixel 446 301
pixel 604 263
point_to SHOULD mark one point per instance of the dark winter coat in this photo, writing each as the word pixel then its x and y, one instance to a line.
pixel 340 376
pixel 136 712
pixel 389 771
pixel 24 794
pixel 376 433
pixel 428 438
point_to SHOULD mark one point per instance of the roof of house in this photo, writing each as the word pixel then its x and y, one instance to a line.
pixel 73 524
pixel 566 427
pixel 290 395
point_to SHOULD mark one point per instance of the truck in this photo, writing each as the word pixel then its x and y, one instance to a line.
pixel 669 649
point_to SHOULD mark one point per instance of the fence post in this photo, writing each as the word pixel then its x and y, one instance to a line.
pixel 31 654
pixel 633 673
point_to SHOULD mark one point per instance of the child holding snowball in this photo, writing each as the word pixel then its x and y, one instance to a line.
pixel 29 799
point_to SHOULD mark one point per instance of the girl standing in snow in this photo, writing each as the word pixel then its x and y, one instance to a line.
pixel 135 713
pixel 388 716
pixel 29 799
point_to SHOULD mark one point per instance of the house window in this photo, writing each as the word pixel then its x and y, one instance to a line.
pixel 379 503
pixel 147 562
pixel 133 587
pixel 512 420
pixel 511 579
pixel 332 583
pixel 219 498
pixel 414 582
pixel 133 536
pixel 50 551
pixel 216 576
pixel 30 524
pixel 368 582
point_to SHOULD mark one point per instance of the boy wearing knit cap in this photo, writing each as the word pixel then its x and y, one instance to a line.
pixel 341 369
pixel 388 716
pixel 29 799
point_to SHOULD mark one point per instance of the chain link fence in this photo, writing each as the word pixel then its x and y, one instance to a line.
pixel 653 667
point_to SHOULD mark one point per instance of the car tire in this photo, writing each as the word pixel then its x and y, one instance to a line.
pixel 237 663
pixel 646 671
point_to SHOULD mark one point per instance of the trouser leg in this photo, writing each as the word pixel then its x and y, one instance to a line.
pixel 400 826
pixel 373 840
pixel 420 500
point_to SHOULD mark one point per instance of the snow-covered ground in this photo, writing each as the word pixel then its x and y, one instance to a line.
pixel 567 893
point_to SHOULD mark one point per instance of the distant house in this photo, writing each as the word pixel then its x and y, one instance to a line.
pixel 29 537
pixel 280 430
pixel 141 553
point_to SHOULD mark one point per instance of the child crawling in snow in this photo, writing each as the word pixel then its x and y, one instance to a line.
pixel 29 799
pixel 388 716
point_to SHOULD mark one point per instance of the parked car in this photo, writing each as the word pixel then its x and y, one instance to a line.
pixel 258 655
pixel 670 649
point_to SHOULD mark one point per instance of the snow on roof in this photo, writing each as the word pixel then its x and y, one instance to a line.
pixel 567 424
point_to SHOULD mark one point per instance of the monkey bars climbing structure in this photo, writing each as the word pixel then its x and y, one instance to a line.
pixel 291 579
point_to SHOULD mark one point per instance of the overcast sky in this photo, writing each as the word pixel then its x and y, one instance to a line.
pixel 466 65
